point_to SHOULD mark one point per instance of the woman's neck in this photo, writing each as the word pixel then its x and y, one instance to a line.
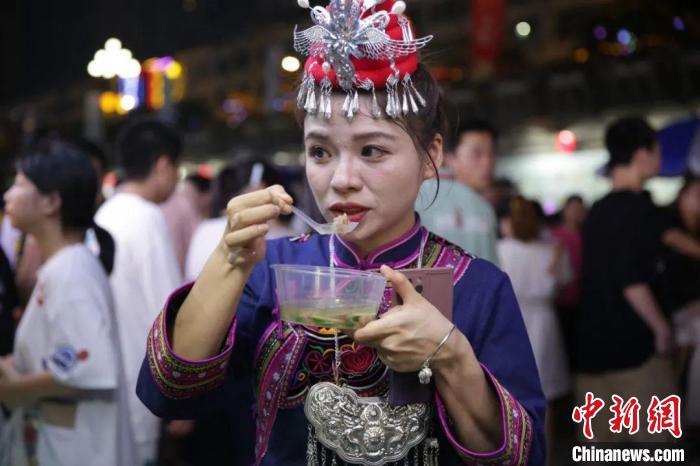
pixel 51 238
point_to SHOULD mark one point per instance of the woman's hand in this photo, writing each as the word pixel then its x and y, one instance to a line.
pixel 408 333
pixel 248 214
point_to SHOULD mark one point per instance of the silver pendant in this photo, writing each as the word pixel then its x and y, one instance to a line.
pixel 365 431
pixel 425 375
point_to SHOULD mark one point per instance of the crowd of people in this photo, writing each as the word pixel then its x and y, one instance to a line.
pixel 158 302
pixel 610 297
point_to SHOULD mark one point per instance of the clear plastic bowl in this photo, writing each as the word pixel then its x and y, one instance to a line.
pixel 328 297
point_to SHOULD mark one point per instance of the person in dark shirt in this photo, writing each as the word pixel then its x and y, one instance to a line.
pixel 681 271
pixel 8 303
pixel 680 294
pixel 622 336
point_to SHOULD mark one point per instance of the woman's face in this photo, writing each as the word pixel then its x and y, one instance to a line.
pixel 368 169
pixel 25 204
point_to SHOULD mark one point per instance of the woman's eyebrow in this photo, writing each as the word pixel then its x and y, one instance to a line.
pixel 374 135
pixel 317 135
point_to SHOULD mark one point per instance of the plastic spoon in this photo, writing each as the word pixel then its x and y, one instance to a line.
pixel 326 228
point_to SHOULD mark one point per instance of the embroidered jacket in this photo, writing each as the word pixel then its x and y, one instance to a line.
pixel 278 361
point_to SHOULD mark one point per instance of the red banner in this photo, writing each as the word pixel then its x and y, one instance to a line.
pixel 487 27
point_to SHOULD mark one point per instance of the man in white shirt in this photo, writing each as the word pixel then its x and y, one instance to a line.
pixel 145 264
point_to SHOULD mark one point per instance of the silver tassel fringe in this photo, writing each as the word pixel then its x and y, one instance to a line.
pixel 404 107
pixel 347 105
pixel 392 104
pixel 325 107
pixel 310 105
pixel 303 90
pixel 376 111
pixel 409 84
pixel 397 104
pixel 311 449
pixel 318 455
pixel 356 102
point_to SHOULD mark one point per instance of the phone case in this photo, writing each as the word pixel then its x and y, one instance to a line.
pixel 437 286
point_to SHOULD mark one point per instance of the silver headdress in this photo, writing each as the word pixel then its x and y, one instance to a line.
pixel 355 29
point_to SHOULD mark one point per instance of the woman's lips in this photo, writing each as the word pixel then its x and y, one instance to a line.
pixel 354 215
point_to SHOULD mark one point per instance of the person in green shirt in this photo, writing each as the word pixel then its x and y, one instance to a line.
pixel 458 211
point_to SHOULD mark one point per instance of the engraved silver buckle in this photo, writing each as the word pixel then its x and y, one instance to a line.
pixel 365 431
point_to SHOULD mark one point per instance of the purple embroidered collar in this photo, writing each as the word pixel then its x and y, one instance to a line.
pixel 396 254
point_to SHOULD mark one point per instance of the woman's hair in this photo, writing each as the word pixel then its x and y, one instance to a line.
pixel 55 166
pixel 524 219
pixel 422 127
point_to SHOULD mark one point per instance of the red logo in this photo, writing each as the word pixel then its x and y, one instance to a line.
pixel 661 415
pixel 587 412
pixel 625 415
pixel 665 415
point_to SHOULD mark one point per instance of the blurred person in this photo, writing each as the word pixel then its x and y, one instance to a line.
pixel 145 266
pixel 543 220
pixel 536 268
pixel 231 181
pixel 474 158
pixel 8 304
pixel 66 362
pixel 568 233
pixel 454 206
pixel 502 190
pixel 226 185
pixel 184 210
pixel 623 339
pixel 29 259
pixel 680 289
pixel 10 241
pixel 203 197
pixel 99 161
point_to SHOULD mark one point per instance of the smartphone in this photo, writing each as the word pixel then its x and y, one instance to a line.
pixel 436 285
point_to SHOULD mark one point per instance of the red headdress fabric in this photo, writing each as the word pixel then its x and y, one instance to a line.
pixel 359 44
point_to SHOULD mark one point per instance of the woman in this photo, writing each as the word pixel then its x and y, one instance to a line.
pixel 568 234
pixel 680 292
pixel 366 157
pixel 536 268
pixel 65 364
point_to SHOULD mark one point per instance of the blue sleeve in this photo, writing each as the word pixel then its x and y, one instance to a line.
pixel 175 388
pixel 487 311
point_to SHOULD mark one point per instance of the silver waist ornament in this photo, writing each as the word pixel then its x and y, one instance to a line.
pixel 366 431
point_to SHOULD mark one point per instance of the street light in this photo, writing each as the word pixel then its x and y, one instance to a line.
pixel 291 64
pixel 113 60
pixel 523 29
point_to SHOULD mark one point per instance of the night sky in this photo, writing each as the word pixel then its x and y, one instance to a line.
pixel 46 45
